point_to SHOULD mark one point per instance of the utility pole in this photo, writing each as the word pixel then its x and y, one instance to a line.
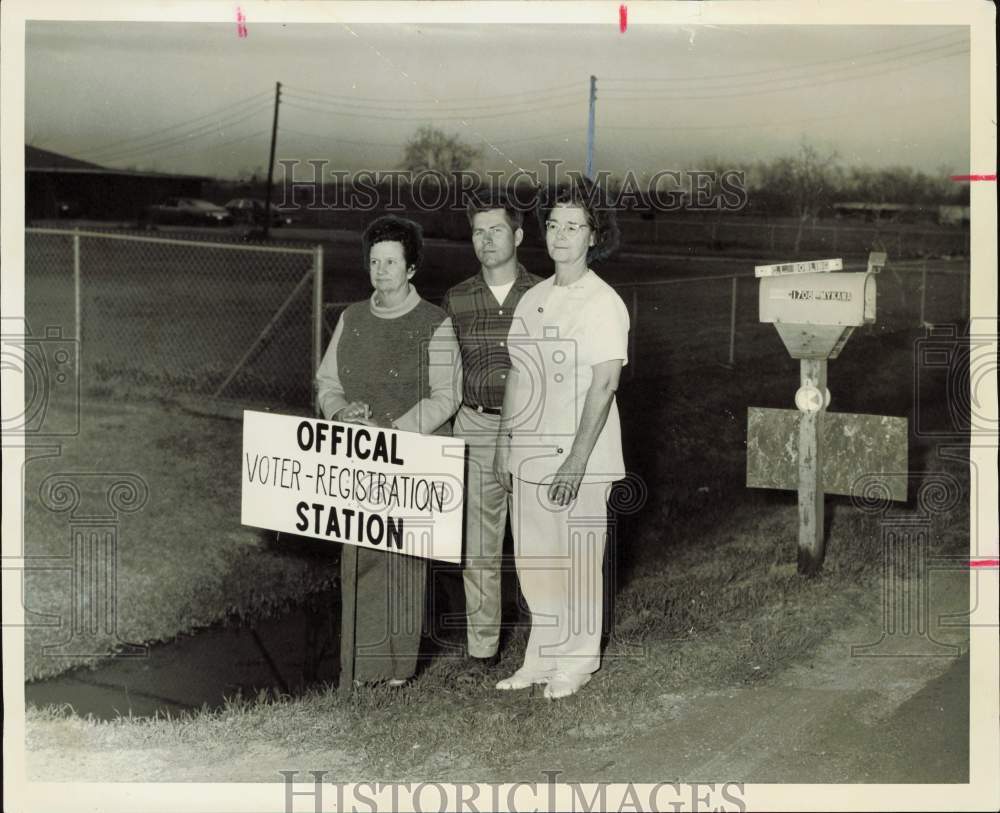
pixel 270 162
pixel 590 128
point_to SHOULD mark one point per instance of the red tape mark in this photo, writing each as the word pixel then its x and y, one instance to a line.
pixel 974 177
pixel 622 18
pixel 241 23
pixel 984 563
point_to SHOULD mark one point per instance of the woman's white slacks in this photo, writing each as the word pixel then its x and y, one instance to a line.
pixel 558 552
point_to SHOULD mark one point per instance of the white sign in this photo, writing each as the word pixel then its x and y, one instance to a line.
pixel 807 267
pixel 379 489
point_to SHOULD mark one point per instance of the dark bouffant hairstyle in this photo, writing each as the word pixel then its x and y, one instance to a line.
pixel 399 230
pixel 486 200
pixel 585 194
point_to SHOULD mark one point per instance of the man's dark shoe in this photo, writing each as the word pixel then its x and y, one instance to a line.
pixel 475 671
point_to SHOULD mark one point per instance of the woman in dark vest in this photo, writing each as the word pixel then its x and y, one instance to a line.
pixel 377 372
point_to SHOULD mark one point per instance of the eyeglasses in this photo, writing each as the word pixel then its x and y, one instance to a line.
pixel 551 227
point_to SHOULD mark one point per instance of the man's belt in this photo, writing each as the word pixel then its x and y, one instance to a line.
pixel 484 409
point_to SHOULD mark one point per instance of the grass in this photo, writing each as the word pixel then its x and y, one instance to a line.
pixel 730 611
pixel 183 559
pixel 708 598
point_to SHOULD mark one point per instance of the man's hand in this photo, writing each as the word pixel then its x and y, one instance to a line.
pixel 566 483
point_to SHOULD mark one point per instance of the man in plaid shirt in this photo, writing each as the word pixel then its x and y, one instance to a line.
pixel 481 309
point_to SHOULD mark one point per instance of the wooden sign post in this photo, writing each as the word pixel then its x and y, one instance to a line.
pixel 348 616
pixel 815 312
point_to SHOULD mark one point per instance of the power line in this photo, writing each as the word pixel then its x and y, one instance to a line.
pixel 767 90
pixel 200 133
pixel 407 79
pixel 783 122
pixel 536 138
pixel 784 69
pixel 456 112
pixel 433 109
pixel 399 146
pixel 435 101
pixel 210 147
pixel 340 140
pixel 160 131
pixel 431 117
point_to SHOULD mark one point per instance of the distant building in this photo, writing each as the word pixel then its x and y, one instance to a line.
pixel 904 212
pixel 953 215
pixel 881 211
pixel 58 186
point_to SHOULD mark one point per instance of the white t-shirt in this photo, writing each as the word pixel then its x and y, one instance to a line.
pixel 501 291
pixel 557 335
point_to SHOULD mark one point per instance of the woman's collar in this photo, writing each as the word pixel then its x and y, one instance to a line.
pixel 408 304
pixel 579 282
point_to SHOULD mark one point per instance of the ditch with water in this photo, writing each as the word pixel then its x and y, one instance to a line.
pixel 285 654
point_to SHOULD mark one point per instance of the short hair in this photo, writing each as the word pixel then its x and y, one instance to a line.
pixel 395 229
pixel 486 200
pixel 593 200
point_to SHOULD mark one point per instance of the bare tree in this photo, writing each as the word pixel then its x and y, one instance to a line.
pixel 808 178
pixel 430 149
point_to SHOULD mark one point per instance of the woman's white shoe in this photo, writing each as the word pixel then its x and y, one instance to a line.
pixel 563 685
pixel 523 680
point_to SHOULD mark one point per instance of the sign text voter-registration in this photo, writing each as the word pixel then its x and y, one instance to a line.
pixel 381 489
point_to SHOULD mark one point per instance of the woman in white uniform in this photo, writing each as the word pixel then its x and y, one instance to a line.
pixel 559 448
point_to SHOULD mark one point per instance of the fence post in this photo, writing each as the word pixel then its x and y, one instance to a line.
pixel 77 305
pixel 732 323
pixel 317 338
pixel 632 332
pixel 923 293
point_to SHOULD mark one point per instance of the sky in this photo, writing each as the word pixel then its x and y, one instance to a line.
pixel 198 98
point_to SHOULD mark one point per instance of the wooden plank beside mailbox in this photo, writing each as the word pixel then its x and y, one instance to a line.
pixel 856 450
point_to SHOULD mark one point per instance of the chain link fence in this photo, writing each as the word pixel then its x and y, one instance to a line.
pixel 833 238
pixel 685 323
pixel 245 322
pixel 682 324
pixel 179 316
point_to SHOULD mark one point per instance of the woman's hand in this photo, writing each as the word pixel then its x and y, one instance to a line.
pixel 566 483
pixel 354 412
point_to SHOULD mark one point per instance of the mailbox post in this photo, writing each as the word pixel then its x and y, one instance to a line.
pixel 811 401
pixel 815 307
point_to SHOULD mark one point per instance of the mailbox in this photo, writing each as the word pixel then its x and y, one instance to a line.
pixel 815 314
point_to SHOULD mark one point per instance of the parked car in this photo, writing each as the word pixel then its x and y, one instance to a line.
pixel 187 211
pixel 251 211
